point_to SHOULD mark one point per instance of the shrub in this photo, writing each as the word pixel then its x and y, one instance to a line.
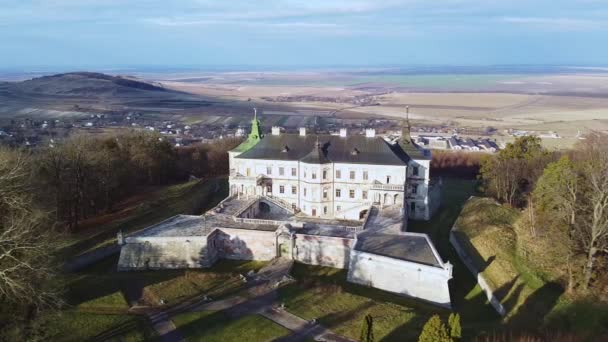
pixel 434 331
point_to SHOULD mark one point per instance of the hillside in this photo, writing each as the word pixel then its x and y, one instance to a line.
pixel 79 93
pixel 533 296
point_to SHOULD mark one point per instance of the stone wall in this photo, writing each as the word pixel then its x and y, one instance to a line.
pixel 323 250
pixel 478 276
pixel 402 277
pixel 244 244
pixel 164 253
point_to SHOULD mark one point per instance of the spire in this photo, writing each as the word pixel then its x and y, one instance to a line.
pixel 256 131
pixel 406 137
pixel 254 136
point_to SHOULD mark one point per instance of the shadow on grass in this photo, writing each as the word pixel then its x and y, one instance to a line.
pixel 118 332
pixel 532 313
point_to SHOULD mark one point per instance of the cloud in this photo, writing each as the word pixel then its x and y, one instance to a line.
pixel 557 24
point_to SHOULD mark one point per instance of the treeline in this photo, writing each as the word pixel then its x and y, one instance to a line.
pixel 564 203
pixel 87 175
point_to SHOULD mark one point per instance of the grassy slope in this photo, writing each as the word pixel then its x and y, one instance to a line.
pixel 78 326
pixel 144 210
pixel 486 230
pixel 215 327
pixel 95 298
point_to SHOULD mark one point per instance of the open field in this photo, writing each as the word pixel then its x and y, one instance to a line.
pixel 564 103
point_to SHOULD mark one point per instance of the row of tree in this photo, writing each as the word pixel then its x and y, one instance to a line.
pixel 87 175
pixel 564 199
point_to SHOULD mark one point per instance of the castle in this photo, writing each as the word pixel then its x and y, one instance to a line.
pixel 333 200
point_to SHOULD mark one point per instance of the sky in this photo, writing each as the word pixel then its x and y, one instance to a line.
pixel 289 33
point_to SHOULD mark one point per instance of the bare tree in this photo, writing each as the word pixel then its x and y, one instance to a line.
pixel 26 244
pixel 592 225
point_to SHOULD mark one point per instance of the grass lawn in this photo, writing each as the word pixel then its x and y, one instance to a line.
pixel 103 289
pixel 78 326
pixel 324 294
pixel 143 210
pixel 211 326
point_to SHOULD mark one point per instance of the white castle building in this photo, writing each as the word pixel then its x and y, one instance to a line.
pixel 334 176
pixel 341 201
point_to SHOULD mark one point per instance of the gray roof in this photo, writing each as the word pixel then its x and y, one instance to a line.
pixel 406 246
pixel 355 149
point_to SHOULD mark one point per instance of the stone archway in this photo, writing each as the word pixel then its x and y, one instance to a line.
pixel 397 199
pixel 284 243
pixel 362 214
pixel 387 199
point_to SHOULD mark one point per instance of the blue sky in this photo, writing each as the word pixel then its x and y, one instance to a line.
pixel 114 33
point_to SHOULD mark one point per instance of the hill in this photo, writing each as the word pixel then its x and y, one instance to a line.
pixel 83 84
pixel 77 93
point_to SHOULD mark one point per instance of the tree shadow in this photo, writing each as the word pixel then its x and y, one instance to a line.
pixel 531 314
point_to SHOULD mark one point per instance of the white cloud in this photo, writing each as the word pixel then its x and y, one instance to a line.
pixel 557 24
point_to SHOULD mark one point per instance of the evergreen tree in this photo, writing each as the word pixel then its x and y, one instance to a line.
pixel 367 329
pixel 434 331
pixel 454 326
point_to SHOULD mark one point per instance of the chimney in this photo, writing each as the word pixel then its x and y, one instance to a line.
pixel 302 131
pixel 276 130
pixel 370 132
pixel 343 132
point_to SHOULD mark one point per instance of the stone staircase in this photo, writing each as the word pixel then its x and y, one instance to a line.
pixel 281 203
pixel 277 269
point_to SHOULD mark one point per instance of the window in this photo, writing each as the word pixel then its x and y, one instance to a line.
pixel 282 189
pixel 364 194
pixel 294 190
pixel 324 210
pixel 338 208
pixel 293 171
pixel 351 193
pixel 304 192
pixel 413 206
pixel 324 174
pixel 324 193
pixel 352 175
pixel 248 172
pixel 314 175
pixel 269 188
pixel 338 174
pixel 415 189
pixel 304 173
pixel 281 171
pixel 314 211
pixel 268 170
pixel 338 192
pixel 365 175
pixel 415 171
pixel 388 179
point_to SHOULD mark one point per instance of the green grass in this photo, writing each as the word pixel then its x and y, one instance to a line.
pixel 102 288
pixel 139 212
pixel 216 327
pixel 324 294
pixel 78 326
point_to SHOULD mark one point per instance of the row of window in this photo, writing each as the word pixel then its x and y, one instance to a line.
pixel 294 191
pixel 313 175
